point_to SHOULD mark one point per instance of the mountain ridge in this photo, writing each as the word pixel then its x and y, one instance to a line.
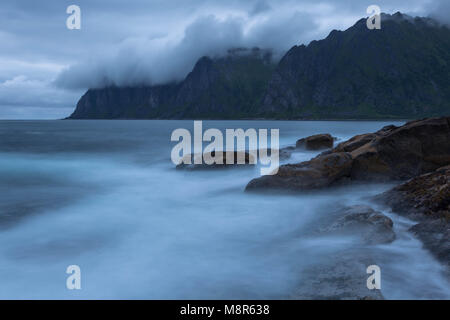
pixel 400 71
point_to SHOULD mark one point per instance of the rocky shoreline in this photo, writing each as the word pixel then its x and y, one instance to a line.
pixel 390 154
pixel 425 199
pixel 417 155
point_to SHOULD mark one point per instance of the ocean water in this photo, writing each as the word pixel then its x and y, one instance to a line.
pixel 104 195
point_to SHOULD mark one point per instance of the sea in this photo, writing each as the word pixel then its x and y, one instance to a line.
pixel 104 195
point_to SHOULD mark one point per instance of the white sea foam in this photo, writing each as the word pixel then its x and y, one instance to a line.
pixel 113 203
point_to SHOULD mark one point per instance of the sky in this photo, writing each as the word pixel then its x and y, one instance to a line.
pixel 46 67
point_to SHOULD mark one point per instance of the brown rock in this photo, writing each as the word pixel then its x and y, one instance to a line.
pixel 316 173
pixel 392 153
pixel 403 152
pixel 249 159
pixel 316 142
pixel 426 195
pixel 355 142
pixel 426 199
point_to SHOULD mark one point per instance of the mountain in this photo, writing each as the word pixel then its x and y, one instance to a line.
pixel 399 71
pixel 226 87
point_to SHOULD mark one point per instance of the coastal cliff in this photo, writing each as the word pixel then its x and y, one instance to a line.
pixel 400 71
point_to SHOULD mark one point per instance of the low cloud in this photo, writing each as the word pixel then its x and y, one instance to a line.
pixel 142 61
pixel 440 10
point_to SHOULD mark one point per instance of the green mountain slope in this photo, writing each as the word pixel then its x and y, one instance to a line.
pixel 400 71
pixel 221 88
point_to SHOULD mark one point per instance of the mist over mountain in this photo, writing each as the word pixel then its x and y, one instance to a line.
pixel 223 87
pixel 400 71
pixel 155 60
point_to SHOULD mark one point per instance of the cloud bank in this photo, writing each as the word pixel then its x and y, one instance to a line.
pixel 140 61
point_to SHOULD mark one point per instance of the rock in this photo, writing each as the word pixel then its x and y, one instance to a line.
pixel 355 142
pixel 392 153
pixel 372 226
pixel 249 160
pixel 316 142
pixel 342 276
pixel 283 153
pixel 403 152
pixel 426 199
pixel 435 235
pixel 316 173
pixel 286 152
pixel 427 195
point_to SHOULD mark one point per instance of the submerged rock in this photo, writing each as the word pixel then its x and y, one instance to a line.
pixel 426 199
pixel 248 160
pixel 286 152
pixel 342 276
pixel 316 142
pixel 392 153
pixel 372 226
pixel 435 235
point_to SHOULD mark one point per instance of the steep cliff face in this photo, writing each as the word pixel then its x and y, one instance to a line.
pixel 230 87
pixel 400 71
pixel 221 88
pixel 124 103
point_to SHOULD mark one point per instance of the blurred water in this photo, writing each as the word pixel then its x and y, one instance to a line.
pixel 104 195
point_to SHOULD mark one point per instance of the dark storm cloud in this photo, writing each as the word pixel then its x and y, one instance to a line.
pixel 210 28
pixel 156 61
pixel 142 41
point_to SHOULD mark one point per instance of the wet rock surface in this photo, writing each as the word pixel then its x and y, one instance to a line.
pixel 317 173
pixel 316 142
pixel 343 279
pixel 246 157
pixel 373 227
pixel 425 199
pixel 342 275
pixel 392 153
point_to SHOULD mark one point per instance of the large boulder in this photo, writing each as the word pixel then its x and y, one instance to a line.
pixel 316 173
pixel 392 153
pixel 403 152
pixel 316 142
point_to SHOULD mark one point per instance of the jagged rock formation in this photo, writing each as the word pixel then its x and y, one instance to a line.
pixel 400 71
pixel 228 87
